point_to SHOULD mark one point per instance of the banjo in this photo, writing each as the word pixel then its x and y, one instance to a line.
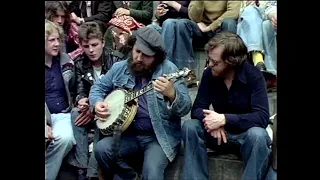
pixel 123 106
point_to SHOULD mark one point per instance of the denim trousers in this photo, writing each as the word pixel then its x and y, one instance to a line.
pixel 79 155
pixel 254 145
pixel 60 146
pixel 258 35
pixel 179 34
pixel 154 159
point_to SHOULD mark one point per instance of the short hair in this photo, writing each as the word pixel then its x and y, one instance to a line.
pixel 89 30
pixel 52 8
pixel 49 29
pixel 234 52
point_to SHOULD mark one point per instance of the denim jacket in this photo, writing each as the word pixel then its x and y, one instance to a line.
pixel 165 117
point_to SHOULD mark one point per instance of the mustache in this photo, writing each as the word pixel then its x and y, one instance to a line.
pixel 145 71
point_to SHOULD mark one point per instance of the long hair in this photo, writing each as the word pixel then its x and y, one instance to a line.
pixel 52 8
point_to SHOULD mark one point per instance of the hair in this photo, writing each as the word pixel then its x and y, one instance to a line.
pixel 234 52
pixel 52 8
pixel 89 30
pixel 50 27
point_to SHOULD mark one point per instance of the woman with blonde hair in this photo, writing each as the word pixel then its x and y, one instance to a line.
pixel 58 12
pixel 58 100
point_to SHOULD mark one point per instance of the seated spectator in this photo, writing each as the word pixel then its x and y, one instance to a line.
pixel 167 13
pixel 207 18
pixel 135 13
pixel 89 67
pixel 269 35
pixel 58 12
pixel 170 14
pixel 87 11
pixel 58 99
pixel 237 124
pixel 249 29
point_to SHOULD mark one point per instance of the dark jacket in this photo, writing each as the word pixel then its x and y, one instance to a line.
pixel 141 11
pixel 84 72
pixel 101 11
pixel 67 70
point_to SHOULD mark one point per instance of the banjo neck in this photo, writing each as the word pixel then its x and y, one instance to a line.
pixel 136 94
pixel 179 74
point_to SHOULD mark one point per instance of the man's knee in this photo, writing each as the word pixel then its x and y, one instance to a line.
pixel 155 27
pixel 192 126
pixel 154 170
pixel 258 135
pixel 229 24
pixel 267 25
pixel 74 114
pixel 65 139
pixel 169 23
pixel 102 150
pixel 251 11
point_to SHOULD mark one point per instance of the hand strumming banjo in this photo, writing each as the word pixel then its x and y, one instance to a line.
pixel 123 105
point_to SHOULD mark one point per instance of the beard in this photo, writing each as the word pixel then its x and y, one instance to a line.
pixel 140 69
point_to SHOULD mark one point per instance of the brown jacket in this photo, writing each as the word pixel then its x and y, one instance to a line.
pixel 212 13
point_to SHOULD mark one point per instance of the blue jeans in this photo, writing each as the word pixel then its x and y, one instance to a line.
pixel 254 148
pixel 269 36
pixel 62 144
pixel 178 35
pixel 154 162
pixel 79 155
pixel 155 27
pixel 249 28
pixel 272 174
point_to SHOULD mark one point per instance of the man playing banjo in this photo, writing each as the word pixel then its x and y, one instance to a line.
pixel 155 129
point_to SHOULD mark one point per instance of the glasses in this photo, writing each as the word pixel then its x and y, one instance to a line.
pixel 214 62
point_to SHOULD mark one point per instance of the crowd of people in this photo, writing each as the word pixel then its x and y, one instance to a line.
pixel 95 47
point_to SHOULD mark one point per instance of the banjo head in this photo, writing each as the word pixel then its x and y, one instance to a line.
pixel 115 101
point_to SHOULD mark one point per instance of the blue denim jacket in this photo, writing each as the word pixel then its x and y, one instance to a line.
pixel 165 118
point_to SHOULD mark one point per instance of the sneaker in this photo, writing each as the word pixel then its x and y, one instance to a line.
pixel 261 66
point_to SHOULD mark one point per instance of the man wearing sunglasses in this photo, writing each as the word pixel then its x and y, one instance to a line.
pixel 89 67
pixel 237 92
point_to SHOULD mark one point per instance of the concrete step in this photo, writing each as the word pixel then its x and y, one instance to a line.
pixel 222 167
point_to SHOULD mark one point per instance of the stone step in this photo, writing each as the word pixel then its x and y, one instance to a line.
pixel 222 167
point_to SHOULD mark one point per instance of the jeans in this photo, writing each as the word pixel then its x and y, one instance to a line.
pixel 254 148
pixel 155 27
pixel 79 155
pixel 272 174
pixel 154 162
pixel 60 146
pixel 249 28
pixel 178 35
pixel 269 36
